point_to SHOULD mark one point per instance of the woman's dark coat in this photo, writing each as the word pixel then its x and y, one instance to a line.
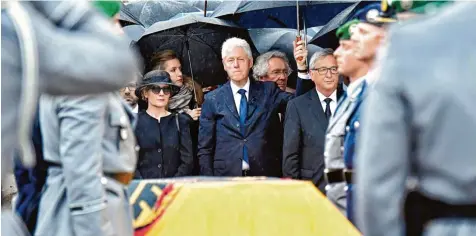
pixel 165 149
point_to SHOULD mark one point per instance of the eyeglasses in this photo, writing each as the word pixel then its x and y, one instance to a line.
pixel 130 87
pixel 280 72
pixel 156 89
pixel 324 70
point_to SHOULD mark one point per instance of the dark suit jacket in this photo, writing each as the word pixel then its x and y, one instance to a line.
pixel 304 131
pixel 220 144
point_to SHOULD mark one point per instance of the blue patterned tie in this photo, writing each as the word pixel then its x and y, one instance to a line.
pixel 243 112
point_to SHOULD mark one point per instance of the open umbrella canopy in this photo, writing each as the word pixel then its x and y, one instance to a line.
pixel 201 36
pixel 279 14
pixel 211 4
pixel 126 17
pixel 326 36
pixel 282 40
pixel 234 206
pixel 209 13
pixel 150 12
pixel 133 32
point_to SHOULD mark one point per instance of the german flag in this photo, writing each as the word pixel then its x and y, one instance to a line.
pixel 234 206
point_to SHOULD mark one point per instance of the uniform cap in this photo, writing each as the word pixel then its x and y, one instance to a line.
pixel 372 14
pixel 110 8
pixel 344 32
pixel 419 7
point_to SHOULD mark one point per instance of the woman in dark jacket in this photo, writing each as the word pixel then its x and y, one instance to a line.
pixel 163 137
pixel 190 96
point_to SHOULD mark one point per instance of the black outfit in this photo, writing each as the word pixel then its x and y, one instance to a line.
pixel 305 128
pixel 193 124
pixel 165 149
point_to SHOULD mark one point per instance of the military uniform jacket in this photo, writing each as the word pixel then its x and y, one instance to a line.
pixel 335 146
pixel 87 136
pixel 420 121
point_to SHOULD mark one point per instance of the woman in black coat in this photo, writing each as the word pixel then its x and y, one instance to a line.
pixel 163 137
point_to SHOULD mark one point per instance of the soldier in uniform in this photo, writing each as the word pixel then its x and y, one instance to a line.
pixel 32 63
pixel 343 127
pixel 420 121
pixel 90 147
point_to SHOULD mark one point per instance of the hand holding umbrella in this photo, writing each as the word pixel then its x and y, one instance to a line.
pixel 300 52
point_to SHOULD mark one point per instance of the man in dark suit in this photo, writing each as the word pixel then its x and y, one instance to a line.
pixel 306 122
pixel 235 134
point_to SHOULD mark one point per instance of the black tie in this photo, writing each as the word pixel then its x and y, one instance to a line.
pixel 328 108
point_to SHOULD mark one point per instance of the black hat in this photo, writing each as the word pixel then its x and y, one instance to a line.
pixel 156 77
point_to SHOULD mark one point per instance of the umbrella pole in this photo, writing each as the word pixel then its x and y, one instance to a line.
pixel 305 35
pixel 191 74
pixel 205 9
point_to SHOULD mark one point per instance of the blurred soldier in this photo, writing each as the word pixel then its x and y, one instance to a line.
pixel 32 64
pixel 90 147
pixel 418 133
pixel 355 59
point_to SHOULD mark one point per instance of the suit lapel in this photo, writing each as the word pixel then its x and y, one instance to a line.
pixel 253 98
pixel 316 108
pixel 229 100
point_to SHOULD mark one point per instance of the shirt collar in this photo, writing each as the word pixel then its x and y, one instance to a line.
pixel 135 109
pixel 352 86
pixel 322 97
pixel 235 88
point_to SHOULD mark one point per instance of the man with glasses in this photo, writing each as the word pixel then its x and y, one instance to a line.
pixel 273 66
pixel 306 122
pixel 128 94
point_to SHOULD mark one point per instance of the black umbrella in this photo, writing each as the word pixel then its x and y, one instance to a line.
pixel 279 14
pixel 282 40
pixel 150 12
pixel 326 37
pixel 197 41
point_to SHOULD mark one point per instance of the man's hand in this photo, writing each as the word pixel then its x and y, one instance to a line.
pixel 195 113
pixel 300 51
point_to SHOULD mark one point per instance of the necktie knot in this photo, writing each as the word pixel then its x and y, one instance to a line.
pixel 242 92
pixel 328 101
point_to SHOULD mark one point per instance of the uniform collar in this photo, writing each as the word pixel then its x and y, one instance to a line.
pixel 352 86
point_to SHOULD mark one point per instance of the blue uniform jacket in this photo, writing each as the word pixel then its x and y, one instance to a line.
pixel 352 128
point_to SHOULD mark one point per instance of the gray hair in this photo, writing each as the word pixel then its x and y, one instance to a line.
pixel 232 43
pixel 261 66
pixel 319 55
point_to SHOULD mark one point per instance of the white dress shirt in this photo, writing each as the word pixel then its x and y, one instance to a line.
pixel 135 109
pixel 332 104
pixel 237 98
